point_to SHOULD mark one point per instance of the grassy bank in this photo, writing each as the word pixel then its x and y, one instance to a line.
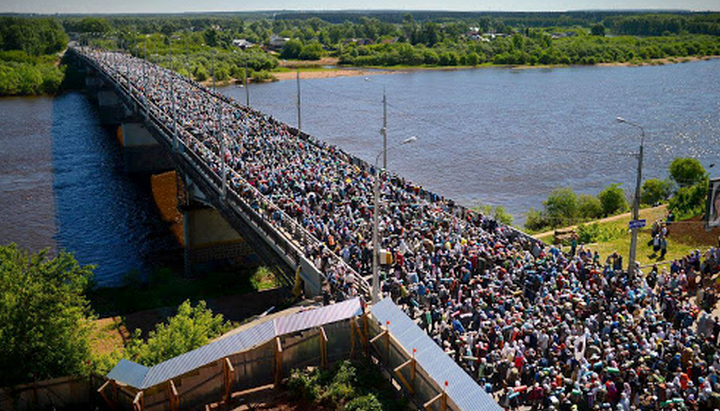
pixel 684 238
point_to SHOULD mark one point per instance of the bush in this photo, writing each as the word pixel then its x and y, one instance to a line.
pixel 593 233
pixel 365 403
pixel 686 171
pixel 262 76
pixel 291 49
pixel 654 191
pixel 498 213
pixel 589 207
pixel 304 385
pixel 689 201
pixel 561 207
pixel 535 220
pixel 191 328
pixel 613 199
pixel 201 73
pixel 312 51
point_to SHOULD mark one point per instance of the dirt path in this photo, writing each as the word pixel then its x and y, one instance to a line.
pixel 663 208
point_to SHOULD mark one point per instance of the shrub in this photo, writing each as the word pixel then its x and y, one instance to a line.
pixel 589 207
pixel 654 190
pixel 613 199
pixel 365 403
pixel 561 207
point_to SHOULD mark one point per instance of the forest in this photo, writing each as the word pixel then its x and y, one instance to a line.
pixel 202 45
pixel 29 50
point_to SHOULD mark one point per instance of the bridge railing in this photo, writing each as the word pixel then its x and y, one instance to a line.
pixel 292 235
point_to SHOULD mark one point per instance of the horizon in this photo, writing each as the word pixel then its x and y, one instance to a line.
pixel 161 7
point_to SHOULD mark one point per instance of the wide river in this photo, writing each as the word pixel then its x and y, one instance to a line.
pixel 494 136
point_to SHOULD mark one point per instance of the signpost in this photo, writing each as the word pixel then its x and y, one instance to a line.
pixel 637 224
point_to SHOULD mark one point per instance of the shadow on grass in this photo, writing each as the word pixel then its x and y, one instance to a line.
pixel 165 289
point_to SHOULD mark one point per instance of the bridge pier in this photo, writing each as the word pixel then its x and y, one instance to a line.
pixel 110 108
pixel 141 151
pixel 92 85
pixel 210 241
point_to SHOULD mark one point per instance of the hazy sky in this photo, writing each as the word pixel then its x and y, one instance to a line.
pixel 177 6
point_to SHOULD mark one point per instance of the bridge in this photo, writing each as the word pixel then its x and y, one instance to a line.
pixel 300 202
pixel 304 205
pixel 222 208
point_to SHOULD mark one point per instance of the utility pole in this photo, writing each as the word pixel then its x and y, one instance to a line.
pixel 298 101
pixel 187 57
pixel 636 203
pixel 247 90
pixel 383 130
pixel 172 96
pixel 212 53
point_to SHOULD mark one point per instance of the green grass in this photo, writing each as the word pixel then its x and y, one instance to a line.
pixel 163 289
pixel 678 245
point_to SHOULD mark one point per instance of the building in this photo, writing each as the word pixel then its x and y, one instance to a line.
pixel 242 43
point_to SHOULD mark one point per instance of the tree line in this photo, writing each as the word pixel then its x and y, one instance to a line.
pixel 28 55
pixel 685 190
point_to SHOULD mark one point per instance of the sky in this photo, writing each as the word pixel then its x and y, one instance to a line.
pixel 178 6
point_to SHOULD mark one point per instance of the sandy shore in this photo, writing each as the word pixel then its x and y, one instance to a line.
pixel 360 71
pixel 331 73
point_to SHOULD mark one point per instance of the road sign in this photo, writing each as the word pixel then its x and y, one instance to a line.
pixel 637 224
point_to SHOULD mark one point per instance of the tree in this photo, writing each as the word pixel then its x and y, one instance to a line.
pixel 311 51
pixel 43 316
pixel 561 207
pixel 612 199
pixel 654 190
pixel 589 207
pixel 686 171
pixel 497 213
pixel 191 328
pixel 291 49
pixel 689 201
pixel 472 59
pixel 598 30
pixel 201 73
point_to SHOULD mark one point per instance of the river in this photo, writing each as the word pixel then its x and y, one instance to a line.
pixel 509 137
pixel 63 187
pixel 496 136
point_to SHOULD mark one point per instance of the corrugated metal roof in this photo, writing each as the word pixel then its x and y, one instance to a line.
pixel 317 317
pixel 207 354
pixel 142 377
pixel 128 372
pixel 463 390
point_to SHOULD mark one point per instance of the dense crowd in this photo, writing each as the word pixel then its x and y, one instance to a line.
pixel 535 326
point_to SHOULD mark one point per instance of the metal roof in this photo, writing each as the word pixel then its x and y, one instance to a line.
pixel 141 377
pixel 462 389
pixel 317 317
pixel 128 372
pixel 182 364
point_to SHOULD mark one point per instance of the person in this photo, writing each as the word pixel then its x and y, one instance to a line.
pixel 714 219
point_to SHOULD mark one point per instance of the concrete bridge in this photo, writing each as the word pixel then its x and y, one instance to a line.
pixel 218 222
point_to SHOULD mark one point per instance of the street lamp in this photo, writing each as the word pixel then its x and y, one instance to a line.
pixel 636 202
pixel 376 215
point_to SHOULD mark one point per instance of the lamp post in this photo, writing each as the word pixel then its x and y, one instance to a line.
pixel 376 215
pixel 636 202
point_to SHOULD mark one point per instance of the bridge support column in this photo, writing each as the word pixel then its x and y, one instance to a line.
pixel 210 241
pixel 92 85
pixel 111 109
pixel 142 153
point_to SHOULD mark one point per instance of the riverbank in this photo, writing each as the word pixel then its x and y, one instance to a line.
pixel 309 72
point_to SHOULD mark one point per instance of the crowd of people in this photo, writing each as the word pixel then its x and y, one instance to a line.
pixel 535 326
